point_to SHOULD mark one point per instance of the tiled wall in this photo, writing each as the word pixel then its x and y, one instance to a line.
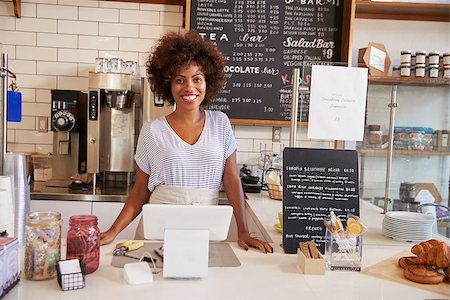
pixel 55 43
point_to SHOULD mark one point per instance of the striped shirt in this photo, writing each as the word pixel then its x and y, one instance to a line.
pixel 168 159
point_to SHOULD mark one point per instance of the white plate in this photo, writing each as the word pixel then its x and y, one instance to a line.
pixel 409 216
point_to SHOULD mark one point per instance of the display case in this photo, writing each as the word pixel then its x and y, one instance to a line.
pixel 405 155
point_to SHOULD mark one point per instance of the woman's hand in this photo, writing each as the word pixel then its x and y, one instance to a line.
pixel 107 237
pixel 245 241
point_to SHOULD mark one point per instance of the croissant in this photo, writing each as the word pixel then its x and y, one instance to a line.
pixel 424 246
pixel 438 256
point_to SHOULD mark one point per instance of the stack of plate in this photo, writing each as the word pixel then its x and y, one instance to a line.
pixel 408 226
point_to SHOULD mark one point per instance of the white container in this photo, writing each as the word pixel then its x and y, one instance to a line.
pixel 433 58
pixel 446 59
pixel 405 70
pixel 420 70
pixel 405 56
pixel 434 71
pixel 396 71
pixel 447 71
pixel 421 57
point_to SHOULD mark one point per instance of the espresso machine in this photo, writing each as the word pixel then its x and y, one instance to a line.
pixel 111 125
pixel 69 126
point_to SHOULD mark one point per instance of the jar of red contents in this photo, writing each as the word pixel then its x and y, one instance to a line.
pixel 83 241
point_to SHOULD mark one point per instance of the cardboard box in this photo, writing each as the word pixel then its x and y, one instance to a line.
pixel 313 266
pixel 375 58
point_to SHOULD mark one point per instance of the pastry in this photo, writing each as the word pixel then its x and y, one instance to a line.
pixel 447 273
pixel 438 256
pixel 424 246
pixel 406 261
pixel 423 274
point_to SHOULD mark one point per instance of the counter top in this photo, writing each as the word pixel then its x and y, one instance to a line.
pixel 260 276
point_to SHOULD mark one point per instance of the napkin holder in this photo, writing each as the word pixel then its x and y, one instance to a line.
pixel 312 266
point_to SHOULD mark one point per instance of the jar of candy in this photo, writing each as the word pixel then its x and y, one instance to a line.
pixel 83 241
pixel 42 244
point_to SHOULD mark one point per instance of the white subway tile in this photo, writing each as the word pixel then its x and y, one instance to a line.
pixel 44 149
pixel 171 18
pixel 22 66
pixel 130 44
pixel 57 12
pixel 72 83
pixel 42 1
pixel 245 144
pixel 262 145
pixel 139 17
pixel 98 14
pixel 83 69
pixel 6 8
pixel 28 95
pixel 43 95
pixel 98 42
pixel 7 23
pixel 18 38
pixel 89 3
pixel 38 81
pixel 27 123
pixel 10 136
pixel 33 137
pixel 36 109
pixel 36 25
pixel 78 27
pixel 125 5
pixel 57 40
pixel 10 50
pixel 26 148
pixel 155 31
pixel 160 7
pixel 244 131
pixel 56 68
pixel 28 10
pixel 36 53
pixel 116 29
pixel 77 55
pixel 123 55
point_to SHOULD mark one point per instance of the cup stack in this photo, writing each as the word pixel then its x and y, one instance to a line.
pixel 6 205
pixel 15 166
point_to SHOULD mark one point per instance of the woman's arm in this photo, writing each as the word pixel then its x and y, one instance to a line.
pixel 235 195
pixel 138 196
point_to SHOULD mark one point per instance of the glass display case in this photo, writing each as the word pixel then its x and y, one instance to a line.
pixel 405 155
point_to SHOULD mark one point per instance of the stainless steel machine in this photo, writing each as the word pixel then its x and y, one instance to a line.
pixel 111 125
pixel 68 123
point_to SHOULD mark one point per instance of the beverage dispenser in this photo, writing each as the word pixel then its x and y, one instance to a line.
pixel 68 123
pixel 111 124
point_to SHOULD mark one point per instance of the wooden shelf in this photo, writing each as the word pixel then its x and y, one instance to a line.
pixel 413 81
pixel 167 2
pixel 366 9
pixel 402 152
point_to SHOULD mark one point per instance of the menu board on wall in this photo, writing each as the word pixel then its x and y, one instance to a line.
pixel 316 182
pixel 263 40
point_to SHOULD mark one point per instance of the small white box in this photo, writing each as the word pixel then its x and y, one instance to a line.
pixel 137 273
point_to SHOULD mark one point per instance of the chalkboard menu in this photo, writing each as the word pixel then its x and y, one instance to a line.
pixel 263 41
pixel 316 182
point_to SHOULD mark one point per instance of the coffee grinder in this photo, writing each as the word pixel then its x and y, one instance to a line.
pixel 68 123
pixel 111 125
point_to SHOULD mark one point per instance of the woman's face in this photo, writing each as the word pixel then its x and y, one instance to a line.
pixel 189 87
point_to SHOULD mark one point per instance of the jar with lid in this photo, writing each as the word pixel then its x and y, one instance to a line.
pixel 434 71
pixel 446 59
pixel 433 58
pixel 447 71
pixel 405 56
pixel 407 192
pixel 421 57
pixel 405 70
pixel 83 241
pixel 42 244
pixel 420 70
pixel 396 71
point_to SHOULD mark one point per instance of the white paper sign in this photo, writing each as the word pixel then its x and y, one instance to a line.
pixel 377 58
pixel 337 103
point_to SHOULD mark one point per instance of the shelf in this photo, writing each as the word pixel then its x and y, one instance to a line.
pixel 413 81
pixel 403 152
pixel 366 9
pixel 167 2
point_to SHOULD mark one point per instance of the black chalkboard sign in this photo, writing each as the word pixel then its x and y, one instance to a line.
pixel 263 41
pixel 316 181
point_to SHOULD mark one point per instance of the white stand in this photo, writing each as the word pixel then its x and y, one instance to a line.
pixel 186 253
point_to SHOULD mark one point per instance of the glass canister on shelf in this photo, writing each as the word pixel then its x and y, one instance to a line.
pixel 396 71
pixel 434 71
pixel 83 241
pixel 447 71
pixel 433 58
pixel 446 59
pixel 405 56
pixel 42 244
pixel 405 70
pixel 421 57
pixel 420 70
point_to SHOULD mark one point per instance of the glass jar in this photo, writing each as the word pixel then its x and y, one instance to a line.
pixel 447 71
pixel 396 71
pixel 420 70
pixel 83 242
pixel 101 65
pixel 421 57
pixel 405 70
pixel 434 71
pixel 433 58
pixel 446 59
pixel 405 56
pixel 116 65
pixel 42 244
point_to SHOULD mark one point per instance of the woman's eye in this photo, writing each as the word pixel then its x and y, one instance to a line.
pixel 179 81
pixel 197 79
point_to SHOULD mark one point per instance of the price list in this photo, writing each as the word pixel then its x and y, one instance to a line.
pixel 263 40
pixel 316 182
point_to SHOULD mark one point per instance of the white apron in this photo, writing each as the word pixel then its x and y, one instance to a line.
pixel 171 194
